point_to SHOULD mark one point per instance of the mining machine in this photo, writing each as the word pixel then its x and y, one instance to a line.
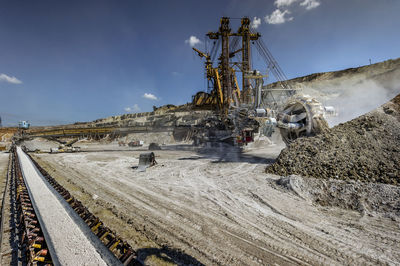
pixel 65 146
pixel 240 113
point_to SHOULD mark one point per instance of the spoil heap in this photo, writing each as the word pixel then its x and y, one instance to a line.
pixel 366 149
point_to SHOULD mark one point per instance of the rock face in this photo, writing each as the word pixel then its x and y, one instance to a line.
pixel 153 119
pixel 366 149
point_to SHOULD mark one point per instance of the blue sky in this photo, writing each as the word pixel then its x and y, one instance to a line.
pixel 68 61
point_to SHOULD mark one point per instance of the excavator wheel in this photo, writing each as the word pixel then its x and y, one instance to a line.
pixel 302 116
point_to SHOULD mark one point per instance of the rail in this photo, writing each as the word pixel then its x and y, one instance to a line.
pixel 27 232
pixel 120 248
pixel 24 226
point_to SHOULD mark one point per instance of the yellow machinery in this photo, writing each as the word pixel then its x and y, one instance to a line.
pixel 225 96
pixel 243 112
pixel 225 91
pixel 215 98
pixel 204 100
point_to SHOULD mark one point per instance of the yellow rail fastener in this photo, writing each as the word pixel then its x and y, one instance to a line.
pixel 115 245
pixel 94 228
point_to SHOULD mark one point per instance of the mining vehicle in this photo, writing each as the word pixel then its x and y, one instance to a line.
pixel 136 143
pixel 255 108
pixel 23 125
pixel 65 146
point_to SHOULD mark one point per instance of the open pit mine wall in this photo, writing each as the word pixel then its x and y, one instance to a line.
pixel 386 73
pixel 181 122
pixel 153 119
pixel 165 124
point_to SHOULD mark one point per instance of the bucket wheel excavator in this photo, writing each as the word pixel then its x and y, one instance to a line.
pixel 301 116
pixel 240 113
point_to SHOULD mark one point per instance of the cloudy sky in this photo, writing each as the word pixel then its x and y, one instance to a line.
pixel 68 61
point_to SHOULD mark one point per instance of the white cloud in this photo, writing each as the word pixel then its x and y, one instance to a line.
pixel 150 96
pixel 192 41
pixel 278 17
pixel 280 3
pixel 256 22
pixel 134 108
pixel 310 4
pixel 13 80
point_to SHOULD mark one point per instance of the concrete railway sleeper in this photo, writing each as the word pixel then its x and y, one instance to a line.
pixel 121 249
pixel 30 247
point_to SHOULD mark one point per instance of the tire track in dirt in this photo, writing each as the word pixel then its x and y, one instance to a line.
pixel 226 213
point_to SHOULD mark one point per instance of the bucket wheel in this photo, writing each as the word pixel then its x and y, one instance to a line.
pixel 302 116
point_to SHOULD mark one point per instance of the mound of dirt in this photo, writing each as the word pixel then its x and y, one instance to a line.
pixel 355 195
pixel 366 149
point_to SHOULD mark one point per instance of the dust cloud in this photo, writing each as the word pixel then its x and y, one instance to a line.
pixel 352 95
pixel 358 98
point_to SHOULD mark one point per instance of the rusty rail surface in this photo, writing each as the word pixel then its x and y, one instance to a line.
pixel 121 249
pixel 32 244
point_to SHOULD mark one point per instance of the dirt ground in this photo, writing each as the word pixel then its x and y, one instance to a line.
pixel 3 172
pixel 5 244
pixel 217 206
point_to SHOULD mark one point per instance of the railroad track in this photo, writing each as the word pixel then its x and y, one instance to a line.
pixel 27 245
pixel 29 236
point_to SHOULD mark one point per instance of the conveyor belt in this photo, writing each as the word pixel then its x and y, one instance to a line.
pixel 68 239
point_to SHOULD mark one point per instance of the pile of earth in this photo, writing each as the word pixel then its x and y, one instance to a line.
pixel 363 197
pixel 365 149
